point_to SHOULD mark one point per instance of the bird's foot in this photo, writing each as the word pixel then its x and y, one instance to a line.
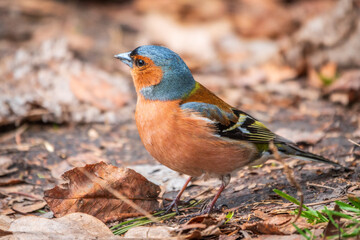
pixel 173 204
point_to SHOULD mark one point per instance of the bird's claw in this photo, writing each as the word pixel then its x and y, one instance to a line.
pixel 173 204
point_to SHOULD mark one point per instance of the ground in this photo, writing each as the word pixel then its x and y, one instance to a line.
pixel 65 102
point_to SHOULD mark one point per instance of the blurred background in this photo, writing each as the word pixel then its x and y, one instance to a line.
pixel 57 60
pixel 65 100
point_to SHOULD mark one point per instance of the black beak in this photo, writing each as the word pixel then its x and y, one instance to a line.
pixel 125 58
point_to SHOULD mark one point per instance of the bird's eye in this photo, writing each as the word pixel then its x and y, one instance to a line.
pixel 139 62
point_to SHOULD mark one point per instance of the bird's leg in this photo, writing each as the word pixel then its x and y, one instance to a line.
pixel 224 182
pixel 175 202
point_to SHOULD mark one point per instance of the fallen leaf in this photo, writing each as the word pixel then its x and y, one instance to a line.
pixel 6 166
pixel 251 186
pixel 277 237
pixel 278 73
pixel 239 188
pixel 26 207
pixel 200 226
pixel 5 222
pixel 72 226
pixel 82 194
pixel 194 235
pixel 229 237
pixel 157 232
pixel 261 215
pixel 10 181
pixel 277 224
pixel 346 89
pixel 213 230
pixel 203 219
pixel 325 76
pixel 192 226
pixel 329 70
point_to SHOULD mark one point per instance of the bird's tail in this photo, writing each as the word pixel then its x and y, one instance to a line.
pixel 296 152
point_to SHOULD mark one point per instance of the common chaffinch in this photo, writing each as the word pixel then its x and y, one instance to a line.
pixel 189 129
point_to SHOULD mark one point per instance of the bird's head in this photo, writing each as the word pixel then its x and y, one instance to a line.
pixel 158 73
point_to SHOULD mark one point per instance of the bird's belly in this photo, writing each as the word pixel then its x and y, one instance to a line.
pixel 187 144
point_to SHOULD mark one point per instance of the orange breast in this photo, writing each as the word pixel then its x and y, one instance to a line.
pixel 186 143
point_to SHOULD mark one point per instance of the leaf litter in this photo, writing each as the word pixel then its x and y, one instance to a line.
pixel 288 76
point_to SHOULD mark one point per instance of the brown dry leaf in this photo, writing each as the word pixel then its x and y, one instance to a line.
pixel 72 226
pixel 82 194
pixel 229 237
pixel 194 235
pixel 239 187
pixel 275 225
pixel 346 89
pixel 278 73
pixel 149 232
pixel 6 166
pixel 10 181
pixel 314 79
pixel 5 222
pixel 200 226
pixel 261 215
pixel 26 207
pixel 203 219
pixel 327 71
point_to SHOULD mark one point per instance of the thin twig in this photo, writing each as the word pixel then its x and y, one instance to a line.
pixel 18 133
pixel 12 134
pixel 353 142
pixel 289 173
pixel 318 185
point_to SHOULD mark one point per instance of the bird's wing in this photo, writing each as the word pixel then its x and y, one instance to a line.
pixel 230 122
pixel 234 124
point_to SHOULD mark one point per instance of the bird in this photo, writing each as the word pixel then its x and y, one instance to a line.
pixel 189 129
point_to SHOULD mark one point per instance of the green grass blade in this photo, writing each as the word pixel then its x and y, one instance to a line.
pixel 302 233
pixel 347 207
pixel 123 227
pixel 289 198
pixel 355 201
pixel 229 216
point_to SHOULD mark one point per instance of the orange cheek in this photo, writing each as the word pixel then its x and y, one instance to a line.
pixel 147 77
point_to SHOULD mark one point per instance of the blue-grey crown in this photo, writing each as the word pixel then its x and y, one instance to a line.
pixel 177 80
